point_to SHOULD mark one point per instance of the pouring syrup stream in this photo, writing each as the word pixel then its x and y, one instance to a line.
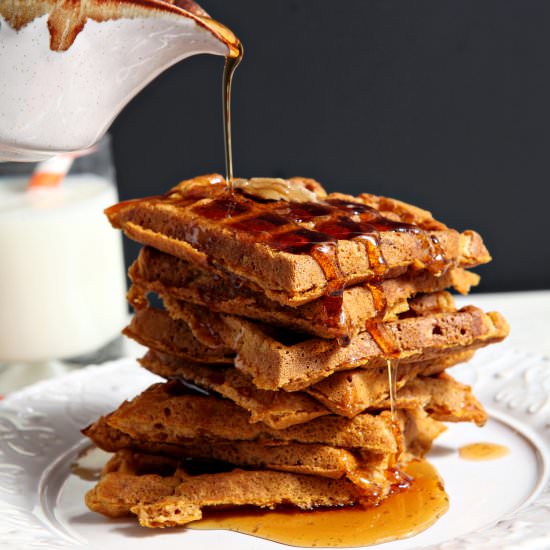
pixel 232 61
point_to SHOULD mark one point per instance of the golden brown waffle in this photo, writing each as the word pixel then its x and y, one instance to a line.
pixel 170 500
pixel 419 430
pixel 295 252
pixel 133 478
pixel 163 414
pixel 276 359
pixel 223 292
pixel 308 459
pixel 364 389
pixel 443 398
pixel 350 392
pixel 277 409
pixel 168 413
pixel 154 328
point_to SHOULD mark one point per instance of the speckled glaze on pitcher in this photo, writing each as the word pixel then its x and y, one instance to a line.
pixel 68 67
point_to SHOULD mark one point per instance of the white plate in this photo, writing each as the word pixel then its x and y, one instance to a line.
pixel 503 503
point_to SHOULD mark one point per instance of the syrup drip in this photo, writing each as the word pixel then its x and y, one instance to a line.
pixel 231 63
pixel 379 299
pixel 383 338
pixel 377 262
pixel 434 256
pixel 403 514
pixel 333 305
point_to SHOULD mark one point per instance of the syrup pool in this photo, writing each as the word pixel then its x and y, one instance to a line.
pixel 402 515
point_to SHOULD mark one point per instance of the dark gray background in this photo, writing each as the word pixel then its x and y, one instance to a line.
pixel 444 104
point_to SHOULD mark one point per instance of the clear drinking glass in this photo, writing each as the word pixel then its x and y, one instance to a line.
pixel 62 283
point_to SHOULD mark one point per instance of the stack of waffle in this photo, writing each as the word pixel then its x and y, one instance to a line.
pixel 304 341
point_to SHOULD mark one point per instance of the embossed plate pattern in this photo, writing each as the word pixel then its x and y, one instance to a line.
pixel 501 504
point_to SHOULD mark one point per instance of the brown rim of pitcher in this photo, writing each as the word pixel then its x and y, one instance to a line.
pixel 185 8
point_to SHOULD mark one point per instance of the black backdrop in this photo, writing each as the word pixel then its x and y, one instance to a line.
pixel 442 103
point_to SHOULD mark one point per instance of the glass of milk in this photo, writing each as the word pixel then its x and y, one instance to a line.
pixel 62 284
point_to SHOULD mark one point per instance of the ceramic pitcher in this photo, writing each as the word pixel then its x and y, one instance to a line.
pixel 68 67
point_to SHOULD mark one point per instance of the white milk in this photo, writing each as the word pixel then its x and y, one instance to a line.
pixel 62 281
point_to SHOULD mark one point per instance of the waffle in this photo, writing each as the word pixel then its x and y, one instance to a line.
pixel 124 483
pixel 275 360
pixel 177 499
pixel 307 459
pixel 443 398
pixel 350 392
pixel 278 360
pixel 154 328
pixel 364 389
pixel 295 252
pixel 168 413
pixel 223 292
pixel 275 409
pixel 163 414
